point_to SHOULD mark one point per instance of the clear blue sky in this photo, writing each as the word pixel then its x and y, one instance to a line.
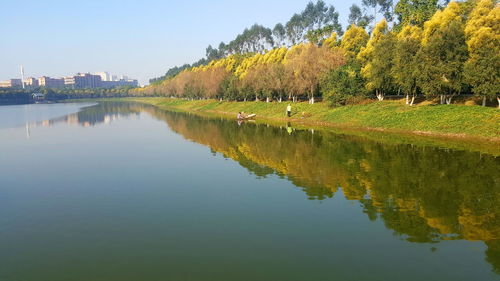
pixel 141 39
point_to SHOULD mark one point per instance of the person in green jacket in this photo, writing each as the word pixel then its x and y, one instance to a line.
pixel 289 110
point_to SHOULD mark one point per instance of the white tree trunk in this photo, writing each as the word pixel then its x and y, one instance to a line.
pixel 245 99
pixel 412 100
pixel 380 95
pixel 407 99
pixel 448 100
pixel 311 101
pixel 442 97
pixel 484 101
pixel 498 100
pixel 267 99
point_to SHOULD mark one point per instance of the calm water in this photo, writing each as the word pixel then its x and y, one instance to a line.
pixel 120 191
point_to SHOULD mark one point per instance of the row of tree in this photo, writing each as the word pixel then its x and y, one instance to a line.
pixel 317 21
pixel 9 95
pixel 430 50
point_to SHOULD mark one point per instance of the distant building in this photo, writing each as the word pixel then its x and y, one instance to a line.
pixel 87 80
pixel 49 82
pixel 119 83
pixel 11 83
pixel 105 76
pixel 69 82
pixel 31 82
pixel 83 81
pixel 78 81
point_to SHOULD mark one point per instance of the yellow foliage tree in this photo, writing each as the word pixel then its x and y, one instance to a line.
pixel 353 40
pixel 482 69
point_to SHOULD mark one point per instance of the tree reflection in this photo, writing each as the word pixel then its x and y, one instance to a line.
pixel 425 194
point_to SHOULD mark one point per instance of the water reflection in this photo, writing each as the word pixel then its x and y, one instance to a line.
pixel 104 113
pixel 424 194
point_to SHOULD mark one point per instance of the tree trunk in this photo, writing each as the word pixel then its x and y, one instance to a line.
pixel 256 97
pixel 311 101
pixel 448 100
pixel 484 100
pixel 412 100
pixel 267 99
pixel 380 95
pixel 442 97
pixel 498 100
pixel 407 99
pixel 245 99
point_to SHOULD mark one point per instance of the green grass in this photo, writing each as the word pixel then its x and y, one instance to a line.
pixel 454 120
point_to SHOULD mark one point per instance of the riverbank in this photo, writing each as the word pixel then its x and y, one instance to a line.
pixel 438 120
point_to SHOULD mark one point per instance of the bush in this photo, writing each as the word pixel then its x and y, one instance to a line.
pixel 344 85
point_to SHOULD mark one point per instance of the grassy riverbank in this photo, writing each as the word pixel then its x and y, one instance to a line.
pixel 444 120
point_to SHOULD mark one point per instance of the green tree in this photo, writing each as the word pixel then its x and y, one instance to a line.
pixel 482 69
pixel 358 17
pixel 415 12
pixel 377 60
pixel 406 70
pixel 344 84
pixel 443 54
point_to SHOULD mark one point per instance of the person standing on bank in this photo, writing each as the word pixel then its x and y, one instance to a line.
pixel 289 110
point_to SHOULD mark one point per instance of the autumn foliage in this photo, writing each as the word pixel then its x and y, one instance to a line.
pixel 433 51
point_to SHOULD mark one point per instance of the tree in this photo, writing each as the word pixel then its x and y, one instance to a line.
pixel 277 79
pixel 331 42
pixel 415 12
pixel 317 36
pixel 358 17
pixel 377 61
pixel 406 68
pixel 255 39
pixel 308 64
pixel 482 69
pixel 379 6
pixel 353 40
pixel 443 54
pixel 279 34
pixel 343 84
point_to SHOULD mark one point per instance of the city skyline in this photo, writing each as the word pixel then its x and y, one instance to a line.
pixel 80 80
pixel 141 39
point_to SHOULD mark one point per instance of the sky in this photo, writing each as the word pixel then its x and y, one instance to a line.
pixel 141 39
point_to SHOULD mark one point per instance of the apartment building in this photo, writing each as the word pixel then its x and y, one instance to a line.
pixel 11 83
pixel 49 82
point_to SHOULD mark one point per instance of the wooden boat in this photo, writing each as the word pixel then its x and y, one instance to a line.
pixel 248 117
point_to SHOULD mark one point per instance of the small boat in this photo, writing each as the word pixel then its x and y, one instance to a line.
pixel 250 116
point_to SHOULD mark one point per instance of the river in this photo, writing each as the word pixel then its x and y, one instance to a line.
pixel 123 191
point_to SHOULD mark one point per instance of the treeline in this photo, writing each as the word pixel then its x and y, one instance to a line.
pixel 418 48
pixel 14 96
pixel 88 93
pixel 9 95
